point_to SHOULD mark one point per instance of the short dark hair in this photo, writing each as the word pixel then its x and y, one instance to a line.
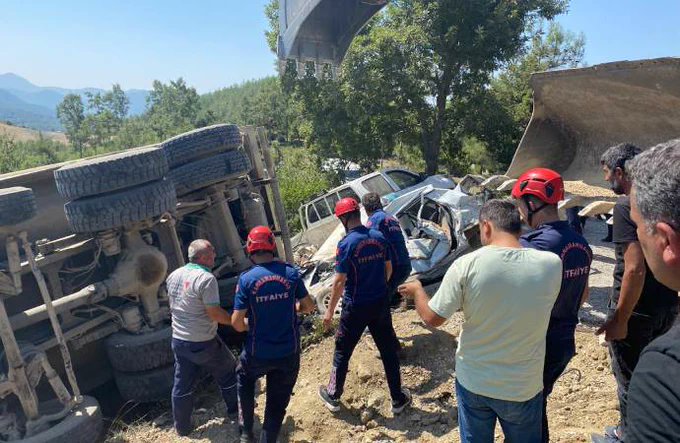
pixel 617 156
pixel 656 178
pixel 503 214
pixel 371 202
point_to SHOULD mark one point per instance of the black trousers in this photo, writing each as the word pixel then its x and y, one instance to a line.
pixel 558 353
pixel 642 329
pixel 281 375
pixel 353 322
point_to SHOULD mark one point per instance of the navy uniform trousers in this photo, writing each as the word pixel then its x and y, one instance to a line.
pixel 281 375
pixel 190 358
pixel 353 321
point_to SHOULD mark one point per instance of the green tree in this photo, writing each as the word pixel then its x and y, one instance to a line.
pixel 271 11
pixel 549 50
pixel 107 112
pixel 71 113
pixel 10 157
pixel 172 108
pixel 300 179
pixel 426 61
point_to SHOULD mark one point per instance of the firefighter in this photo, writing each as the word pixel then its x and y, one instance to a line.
pixel 389 226
pixel 196 311
pixel 362 271
pixel 537 193
pixel 267 298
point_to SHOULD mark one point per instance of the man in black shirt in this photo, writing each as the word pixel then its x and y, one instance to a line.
pixel 640 307
pixel 654 394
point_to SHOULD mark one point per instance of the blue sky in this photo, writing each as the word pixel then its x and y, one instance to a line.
pixel 216 43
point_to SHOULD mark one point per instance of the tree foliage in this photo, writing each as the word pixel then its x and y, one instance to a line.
pixel 417 73
pixel 71 113
pixel 172 108
pixel 300 180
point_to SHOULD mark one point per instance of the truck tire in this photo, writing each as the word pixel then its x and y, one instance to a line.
pixel 17 205
pixel 201 143
pixel 83 425
pixel 146 386
pixel 140 352
pixel 109 173
pixel 107 211
pixel 210 170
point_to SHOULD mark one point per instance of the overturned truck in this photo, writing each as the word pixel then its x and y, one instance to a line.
pixel 86 247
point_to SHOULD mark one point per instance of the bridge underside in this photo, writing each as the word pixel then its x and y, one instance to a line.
pixel 320 31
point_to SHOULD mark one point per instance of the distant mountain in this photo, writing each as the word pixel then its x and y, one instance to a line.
pixel 13 81
pixel 23 103
pixel 21 113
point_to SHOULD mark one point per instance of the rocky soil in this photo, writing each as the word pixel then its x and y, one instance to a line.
pixel 584 400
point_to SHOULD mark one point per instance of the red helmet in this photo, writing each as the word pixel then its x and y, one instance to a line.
pixel 260 238
pixel 345 206
pixel 543 183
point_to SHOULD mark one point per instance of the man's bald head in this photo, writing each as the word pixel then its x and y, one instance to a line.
pixel 202 252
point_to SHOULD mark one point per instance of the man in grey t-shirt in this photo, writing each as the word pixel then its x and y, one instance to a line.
pixel 196 311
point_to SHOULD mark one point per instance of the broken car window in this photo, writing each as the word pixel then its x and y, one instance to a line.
pixel 312 216
pixel 348 192
pixel 322 208
pixel 404 179
pixel 378 184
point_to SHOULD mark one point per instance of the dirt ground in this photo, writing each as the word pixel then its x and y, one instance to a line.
pixel 583 402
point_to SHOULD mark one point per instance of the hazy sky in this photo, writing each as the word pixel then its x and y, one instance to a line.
pixel 216 43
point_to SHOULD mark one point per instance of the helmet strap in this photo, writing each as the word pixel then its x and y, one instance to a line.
pixel 343 219
pixel 531 210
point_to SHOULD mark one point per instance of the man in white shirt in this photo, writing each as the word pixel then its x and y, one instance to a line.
pixel 506 293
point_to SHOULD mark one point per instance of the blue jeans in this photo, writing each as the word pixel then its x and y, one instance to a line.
pixel 281 376
pixel 521 421
pixel 190 357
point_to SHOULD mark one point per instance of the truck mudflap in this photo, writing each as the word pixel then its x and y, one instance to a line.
pixel 579 113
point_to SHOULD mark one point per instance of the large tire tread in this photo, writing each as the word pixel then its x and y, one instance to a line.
pixel 132 353
pixel 146 386
pixel 210 170
pixel 83 425
pixel 121 208
pixel 17 205
pixel 201 143
pixel 121 170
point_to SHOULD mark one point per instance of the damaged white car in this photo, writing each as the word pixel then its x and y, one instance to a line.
pixel 439 225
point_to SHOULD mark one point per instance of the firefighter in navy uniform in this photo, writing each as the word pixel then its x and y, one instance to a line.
pixel 268 296
pixel 362 271
pixel 389 226
pixel 537 192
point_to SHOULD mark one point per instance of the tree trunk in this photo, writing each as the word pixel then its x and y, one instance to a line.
pixel 432 140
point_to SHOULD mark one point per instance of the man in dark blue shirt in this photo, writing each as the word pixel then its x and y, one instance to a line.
pixel 362 271
pixel 537 192
pixel 268 295
pixel 389 226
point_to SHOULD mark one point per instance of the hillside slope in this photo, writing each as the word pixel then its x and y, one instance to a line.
pixel 25 134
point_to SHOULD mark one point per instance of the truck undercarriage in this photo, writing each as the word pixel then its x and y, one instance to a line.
pixel 87 246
